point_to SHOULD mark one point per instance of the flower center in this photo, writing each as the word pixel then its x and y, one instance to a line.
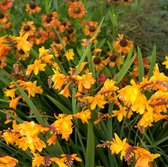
pixel 21 52
pixel 96 60
pixel 2 15
pixel 4 2
pixel 77 10
pixel 49 18
pixel 57 40
pixel 123 42
pixel 37 35
pixel 92 29
pixel 113 58
pixel 70 31
pixel 26 27
pixel 32 5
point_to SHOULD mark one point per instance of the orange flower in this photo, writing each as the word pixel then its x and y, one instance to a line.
pixel 4 18
pixel 65 91
pixel 99 63
pixel 91 28
pixel 39 37
pixel 32 7
pixel 13 102
pixel 122 45
pixel 7 161
pixel 76 10
pixel 5 4
pixel 85 81
pixel 49 20
pixel 111 59
pixel 27 28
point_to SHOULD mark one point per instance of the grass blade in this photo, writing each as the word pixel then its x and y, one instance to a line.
pixel 152 62
pixel 140 66
pixel 59 105
pixel 90 148
pixel 124 70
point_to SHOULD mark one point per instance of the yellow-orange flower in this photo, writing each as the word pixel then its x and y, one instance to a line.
pixel 122 45
pixel 85 81
pixel 147 119
pixel 32 7
pixel 39 160
pixel 166 62
pixel 76 10
pixel 69 54
pixel 7 161
pixel 108 87
pixel 59 79
pixel 23 43
pixel 49 20
pixel 119 113
pixel 63 124
pixel 69 158
pixel 27 28
pixel 31 88
pixel 117 145
pixel 84 115
pixel 44 55
pixel 36 67
pixel 97 100
pixel 132 96
pixel 143 157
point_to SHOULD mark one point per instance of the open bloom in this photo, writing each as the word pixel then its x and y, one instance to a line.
pixel 122 45
pixel 36 67
pixel 76 10
pixel 91 28
pixel 7 161
pixel 143 157
pixel 32 7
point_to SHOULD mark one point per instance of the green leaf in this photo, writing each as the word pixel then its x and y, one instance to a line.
pixel 140 66
pixel 90 148
pixel 152 62
pixel 59 105
pixel 124 70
